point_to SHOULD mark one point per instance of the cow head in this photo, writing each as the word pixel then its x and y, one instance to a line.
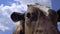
pixel 38 19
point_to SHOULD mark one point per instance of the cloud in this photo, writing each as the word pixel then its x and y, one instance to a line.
pixel 58 26
pixel 5 11
pixel 3 28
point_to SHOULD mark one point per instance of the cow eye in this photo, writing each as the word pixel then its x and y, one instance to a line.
pixel 28 15
pixel 32 16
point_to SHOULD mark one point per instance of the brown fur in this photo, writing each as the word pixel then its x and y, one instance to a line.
pixel 36 21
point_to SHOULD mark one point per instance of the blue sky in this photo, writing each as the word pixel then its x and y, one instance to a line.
pixel 56 4
pixel 9 6
pixel 8 2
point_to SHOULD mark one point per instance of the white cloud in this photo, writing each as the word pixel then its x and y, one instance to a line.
pixel 6 11
pixel 3 28
pixel 58 23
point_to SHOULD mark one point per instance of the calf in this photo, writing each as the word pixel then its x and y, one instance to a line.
pixel 38 19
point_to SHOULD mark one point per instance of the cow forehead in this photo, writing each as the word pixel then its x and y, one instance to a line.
pixel 41 7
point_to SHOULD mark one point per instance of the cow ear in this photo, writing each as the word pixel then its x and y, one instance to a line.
pixel 58 12
pixel 17 16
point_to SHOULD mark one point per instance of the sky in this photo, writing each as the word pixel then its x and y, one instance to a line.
pixel 55 4
pixel 7 7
